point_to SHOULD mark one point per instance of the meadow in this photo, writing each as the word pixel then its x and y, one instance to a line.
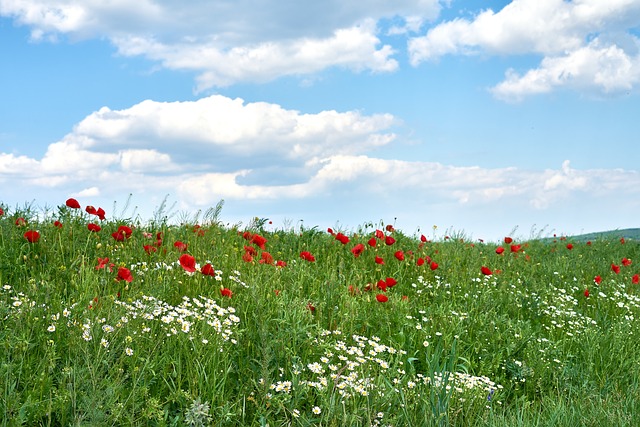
pixel 114 321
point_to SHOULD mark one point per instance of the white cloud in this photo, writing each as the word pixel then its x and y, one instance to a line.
pixel 585 44
pixel 225 43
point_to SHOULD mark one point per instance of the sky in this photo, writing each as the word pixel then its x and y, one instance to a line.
pixel 482 119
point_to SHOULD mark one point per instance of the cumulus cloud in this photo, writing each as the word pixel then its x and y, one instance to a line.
pixel 586 45
pixel 228 43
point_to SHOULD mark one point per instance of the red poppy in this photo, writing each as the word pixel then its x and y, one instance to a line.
pixel 100 213
pixel 21 222
pixel 306 255
pixel 569 246
pixel 311 308
pixel 357 250
pixel 330 231
pixel 250 250
pixel 390 228
pixel 266 258
pixel 391 282
pixel 508 240
pixel 420 262
pixel 93 227
pixel 182 247
pixel 91 210
pixel 622 240
pixel 247 257
pixel 123 233
pixel 379 234
pixel 259 241
pixel 389 240
pixel 434 265
pixel 382 298
pixel 1 211
pixel 208 270
pixel 150 249
pixel 102 262
pixel 32 236
pixel 188 263
pixel 615 268
pixel 516 248
pixel 635 279
pixel 124 274
pixel 626 262
pixel 379 260
pixel 281 263
pixel 499 250
pixel 72 203
pixel 399 255
pixel 586 293
pixel 382 285
pixel 342 238
pixel 372 242
pixel 57 224
pixel 486 271
pixel 597 280
pixel 423 238
pixel 589 243
pixel 226 292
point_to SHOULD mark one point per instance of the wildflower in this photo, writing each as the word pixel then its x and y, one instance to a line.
pixel 508 240
pixel 307 256
pixel 597 280
pixel 516 248
pixel 389 240
pixel 259 241
pixel 188 263
pixel 372 242
pixel 123 233
pixel 72 203
pixel 420 262
pixel 635 279
pixel 434 265
pixel 124 274
pixel 499 250
pixel 149 249
pixel 182 247
pixel 128 351
pixel 51 328
pixel 1 211
pixel 32 236
pixel 486 271
pixel 94 228
pixel 626 262
pixel 379 260
pixel 399 255
pixel 311 308
pixel 21 222
pixel 225 292
pixel 382 298
pixel 390 282
pixel 615 268
pixel 586 293
pixel 342 238
pixel 102 262
pixel 266 258
pixel 208 270
pixel 316 410
pixel 57 224
pixel 569 246
pixel 280 263
pixel 357 250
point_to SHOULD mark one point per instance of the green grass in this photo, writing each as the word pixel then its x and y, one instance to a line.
pixel 309 343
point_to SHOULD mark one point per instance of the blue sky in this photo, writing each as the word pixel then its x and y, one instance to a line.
pixel 517 114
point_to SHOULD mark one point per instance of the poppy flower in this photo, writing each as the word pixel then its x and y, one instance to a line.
pixel 382 285
pixel 91 210
pixel 622 240
pixel 1 211
pixel 281 263
pixel 382 298
pixel 420 262
pixel 508 240
pixel 597 280
pixel 635 279
pixel 72 203
pixel 266 258
pixel 226 292
pixel 100 213
pixel 357 250
pixel 434 265
pixel 259 241
pixel 588 242
pixel 208 270
pixel 102 262
pixel 399 255
pixel 423 238
pixel 182 247
pixel 390 228
pixel 21 222
pixel 486 271
pixel 342 238
pixel 516 248
pixel 569 246
pixel 330 231
pixel 251 250
pixel 391 282
pixel 615 268
pixel 626 262
pixel 306 255
pixel 57 224
pixel 32 236
pixel 379 234
pixel 188 263
pixel 124 274
pixel 586 293
pixel 93 227
pixel 247 257
pixel 379 260
pixel 150 249
pixel 311 308
pixel 372 242
pixel 499 250
pixel 389 240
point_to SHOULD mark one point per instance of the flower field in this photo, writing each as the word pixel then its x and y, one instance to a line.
pixel 119 322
